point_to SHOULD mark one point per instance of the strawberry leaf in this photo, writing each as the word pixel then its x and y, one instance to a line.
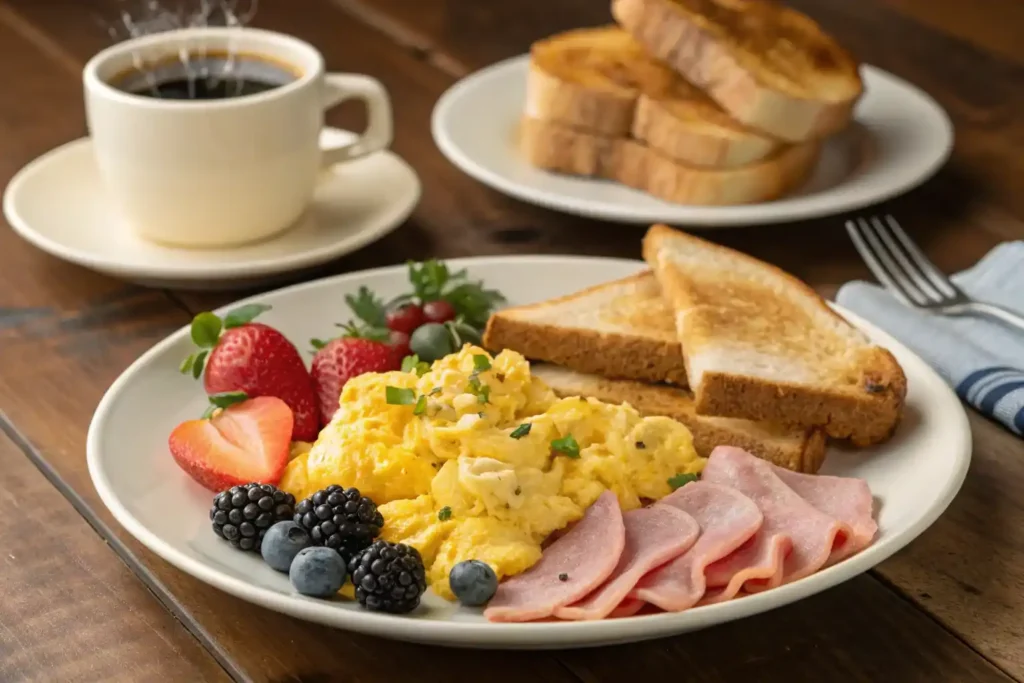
pixel 368 307
pixel 186 365
pixel 223 400
pixel 205 330
pixel 244 315
pixel 318 344
pixel 377 334
pixel 198 364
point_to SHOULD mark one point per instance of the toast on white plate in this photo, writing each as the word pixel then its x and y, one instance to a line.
pixel 601 81
pixel 795 448
pixel 759 344
pixel 564 149
pixel 622 329
pixel 770 67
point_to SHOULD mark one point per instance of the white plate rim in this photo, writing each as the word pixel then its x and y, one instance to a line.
pixel 828 202
pixel 399 209
pixel 527 635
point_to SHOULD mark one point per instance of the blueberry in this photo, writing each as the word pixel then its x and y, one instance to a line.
pixel 473 582
pixel 317 572
pixel 282 543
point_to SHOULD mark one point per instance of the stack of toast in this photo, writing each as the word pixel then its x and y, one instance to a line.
pixel 709 102
pixel 739 351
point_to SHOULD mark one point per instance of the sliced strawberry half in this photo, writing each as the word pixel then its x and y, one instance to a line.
pixel 247 441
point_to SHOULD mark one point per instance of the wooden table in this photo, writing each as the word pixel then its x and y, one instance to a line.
pixel 82 601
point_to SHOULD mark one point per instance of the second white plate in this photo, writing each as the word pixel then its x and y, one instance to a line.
pixel 901 137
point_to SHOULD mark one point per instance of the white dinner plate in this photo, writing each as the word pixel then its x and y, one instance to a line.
pixel 900 137
pixel 58 203
pixel 913 477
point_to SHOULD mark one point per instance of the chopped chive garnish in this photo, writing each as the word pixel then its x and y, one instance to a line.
pixel 397 396
pixel 481 362
pixel 566 446
pixel 421 406
pixel 521 431
pixel 444 514
pixel 681 480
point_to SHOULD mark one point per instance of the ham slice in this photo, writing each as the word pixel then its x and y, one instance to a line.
pixel 627 608
pixel 727 520
pixel 570 568
pixel 845 498
pixel 654 535
pixel 795 539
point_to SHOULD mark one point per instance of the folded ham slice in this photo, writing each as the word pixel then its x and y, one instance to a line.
pixel 627 608
pixel 570 568
pixel 727 519
pixel 654 535
pixel 795 539
pixel 845 498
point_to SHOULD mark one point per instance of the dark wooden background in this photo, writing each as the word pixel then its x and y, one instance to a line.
pixel 80 600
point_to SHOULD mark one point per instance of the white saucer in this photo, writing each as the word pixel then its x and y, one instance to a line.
pixel 901 138
pixel 58 203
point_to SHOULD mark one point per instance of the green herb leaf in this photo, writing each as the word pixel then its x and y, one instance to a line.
pixel 681 480
pixel 481 362
pixel 473 302
pixel 444 514
pixel 186 365
pixel 368 308
pixel 205 330
pixel 317 344
pixel 421 406
pixel 428 279
pixel 414 364
pixel 567 446
pixel 479 389
pixel 396 396
pixel 199 363
pixel 521 431
pixel 435 391
pixel 243 315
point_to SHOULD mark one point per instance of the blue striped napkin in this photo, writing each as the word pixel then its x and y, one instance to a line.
pixel 982 359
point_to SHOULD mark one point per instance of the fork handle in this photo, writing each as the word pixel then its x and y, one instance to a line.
pixel 999 313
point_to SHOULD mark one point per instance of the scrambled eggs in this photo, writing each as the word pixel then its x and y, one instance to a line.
pixel 476 459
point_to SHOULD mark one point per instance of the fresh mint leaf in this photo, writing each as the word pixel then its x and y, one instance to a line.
pixel 567 446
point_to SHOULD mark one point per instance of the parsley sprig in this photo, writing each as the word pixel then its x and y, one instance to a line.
pixel 432 281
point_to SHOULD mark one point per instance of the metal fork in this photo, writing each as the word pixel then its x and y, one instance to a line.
pixel 901 266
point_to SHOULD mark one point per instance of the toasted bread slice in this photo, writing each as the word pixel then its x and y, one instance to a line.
pixel 769 66
pixel 601 81
pixel 795 448
pixel 761 345
pixel 563 149
pixel 622 328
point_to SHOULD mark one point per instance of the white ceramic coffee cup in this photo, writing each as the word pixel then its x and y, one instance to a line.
pixel 218 173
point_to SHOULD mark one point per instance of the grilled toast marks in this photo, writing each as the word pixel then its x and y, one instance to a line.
pixel 795 448
pixel 769 66
pixel 617 329
pixel 761 345
pixel 569 150
pixel 601 81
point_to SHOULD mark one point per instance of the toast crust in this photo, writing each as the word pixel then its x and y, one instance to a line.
pixel 599 80
pixel 562 149
pixel 655 355
pixel 769 66
pixel 859 391
pixel 795 448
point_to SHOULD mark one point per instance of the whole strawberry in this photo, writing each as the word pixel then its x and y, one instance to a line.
pixel 339 360
pixel 241 355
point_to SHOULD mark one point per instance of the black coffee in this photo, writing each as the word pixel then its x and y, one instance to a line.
pixel 206 77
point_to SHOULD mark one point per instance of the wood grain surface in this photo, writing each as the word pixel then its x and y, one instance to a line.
pixel 934 612
pixel 72 611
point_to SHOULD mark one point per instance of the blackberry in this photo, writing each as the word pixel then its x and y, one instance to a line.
pixel 342 519
pixel 389 577
pixel 242 514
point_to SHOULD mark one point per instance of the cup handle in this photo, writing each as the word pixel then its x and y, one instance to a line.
pixel 378 134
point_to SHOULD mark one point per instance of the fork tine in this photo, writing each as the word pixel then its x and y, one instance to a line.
pixel 906 284
pixel 858 230
pixel 906 262
pixel 938 279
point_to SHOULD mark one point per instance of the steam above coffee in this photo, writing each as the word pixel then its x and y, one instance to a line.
pixel 205 77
